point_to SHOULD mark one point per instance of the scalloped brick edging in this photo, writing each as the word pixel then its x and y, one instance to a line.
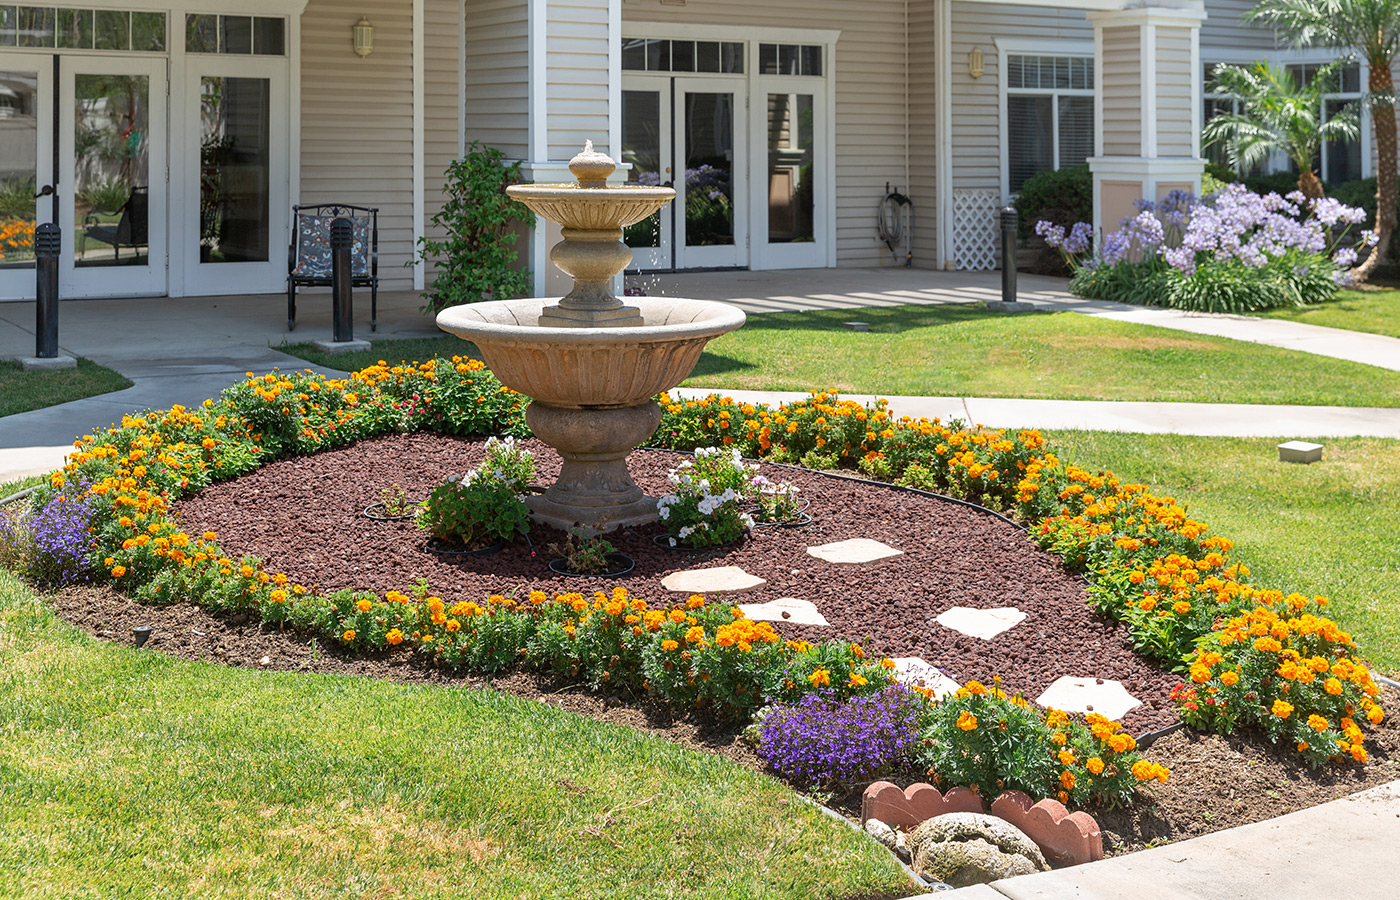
pixel 1067 838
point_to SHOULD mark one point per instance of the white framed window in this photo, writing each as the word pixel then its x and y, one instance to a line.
pixel 1341 160
pixel 1048 114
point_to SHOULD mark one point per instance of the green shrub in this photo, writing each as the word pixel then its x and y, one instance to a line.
pixel 473 511
pixel 1062 196
pixel 475 260
pixel 1280 183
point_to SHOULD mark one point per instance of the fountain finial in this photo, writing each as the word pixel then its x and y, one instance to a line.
pixel 591 168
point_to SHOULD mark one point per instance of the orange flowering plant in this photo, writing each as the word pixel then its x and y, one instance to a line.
pixel 981 737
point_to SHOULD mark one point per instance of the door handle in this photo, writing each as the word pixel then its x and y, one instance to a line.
pixel 46 191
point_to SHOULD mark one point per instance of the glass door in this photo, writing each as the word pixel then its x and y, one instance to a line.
pixel 112 145
pixel 26 163
pixel 790 198
pixel 238 202
pixel 711 227
pixel 646 145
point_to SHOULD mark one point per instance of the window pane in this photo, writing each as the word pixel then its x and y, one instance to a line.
pixel 148 31
pixel 1013 72
pixel 235 34
pixel 1351 79
pixel 768 59
pixel 9 26
pixel 682 56
pixel 269 36
pixel 75 29
pixel 731 57
pixel 113 30
pixel 235 169
pixel 201 34
pixel 707 55
pixel 787 60
pixel 709 169
pixel 790 169
pixel 36 26
pixel 658 56
pixel 111 195
pixel 811 60
pixel 19 104
pixel 634 57
pixel 641 146
pixel 1076 130
pixel 1343 157
pixel 1029 137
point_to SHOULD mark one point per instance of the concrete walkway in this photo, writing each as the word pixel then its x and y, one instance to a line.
pixel 185 350
pixel 1341 849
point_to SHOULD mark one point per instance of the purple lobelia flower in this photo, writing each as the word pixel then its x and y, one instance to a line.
pixel 823 741
pixel 60 538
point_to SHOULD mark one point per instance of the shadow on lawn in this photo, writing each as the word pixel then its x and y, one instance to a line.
pixel 882 320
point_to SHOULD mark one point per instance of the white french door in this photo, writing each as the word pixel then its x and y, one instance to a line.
pixel 236 197
pixel 789 193
pixel 689 133
pixel 26 165
pixel 112 175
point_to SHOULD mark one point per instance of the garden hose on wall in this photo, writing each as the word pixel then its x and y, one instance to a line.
pixel 893 228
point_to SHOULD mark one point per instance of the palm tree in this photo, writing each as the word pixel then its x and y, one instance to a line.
pixel 1278 113
pixel 1372 29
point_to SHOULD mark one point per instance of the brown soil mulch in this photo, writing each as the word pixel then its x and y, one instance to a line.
pixel 303 517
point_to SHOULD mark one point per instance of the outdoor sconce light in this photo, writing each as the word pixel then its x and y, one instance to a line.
pixel 364 38
pixel 976 62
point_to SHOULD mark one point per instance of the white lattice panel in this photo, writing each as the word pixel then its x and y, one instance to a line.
pixel 975 229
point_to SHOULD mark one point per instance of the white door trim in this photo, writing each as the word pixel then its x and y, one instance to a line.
pixel 720 255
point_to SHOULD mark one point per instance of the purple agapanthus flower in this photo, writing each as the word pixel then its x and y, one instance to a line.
pixel 821 740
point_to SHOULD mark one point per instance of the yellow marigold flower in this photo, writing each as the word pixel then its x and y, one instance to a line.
pixel 1094 764
pixel 1375 715
pixel 1055 718
pixel 1200 673
pixel 394 636
pixel 453 625
pixel 1230 677
pixel 887 663
pixel 669 644
pixel 1067 779
pixel 857 680
pixel 694 601
pixel 1332 686
pixel 362 605
pixel 279 596
pixel 1066 757
pixel 967 721
pixel 1282 709
pixel 209 536
pixel 975 687
pixel 1181 607
pixel 694 635
pixel 1059 737
pixel 1142 770
pixel 820 678
pixel 1358 752
pixel 349 635
pixel 675 615
pixel 1317 723
pixel 118 571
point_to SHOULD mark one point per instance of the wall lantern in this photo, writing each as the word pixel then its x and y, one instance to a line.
pixel 976 62
pixel 364 38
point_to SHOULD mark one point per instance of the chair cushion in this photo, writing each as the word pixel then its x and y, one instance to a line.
pixel 313 236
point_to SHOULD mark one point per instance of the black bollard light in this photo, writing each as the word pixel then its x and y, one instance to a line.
pixel 343 322
pixel 48 243
pixel 1008 254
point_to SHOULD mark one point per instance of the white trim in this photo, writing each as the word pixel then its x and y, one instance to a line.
pixel 1019 47
pixel 766 34
pixel 537 142
pixel 1150 15
pixel 1098 96
pixel 294 109
pixel 615 79
pixel 1043 46
pixel 943 128
pixel 829 89
pixel 419 144
pixel 1198 89
pixel 184 155
pixel 1139 167
pixel 1147 82
pixel 461 78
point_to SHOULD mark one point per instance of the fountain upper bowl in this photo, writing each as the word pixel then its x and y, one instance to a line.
pixel 593 208
pixel 591 368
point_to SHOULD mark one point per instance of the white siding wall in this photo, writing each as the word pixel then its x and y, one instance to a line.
pixel 357 120
pixel 578 76
pixel 1122 92
pixel 976 102
pixel 870 117
pixel 442 45
pixel 1223 28
pixel 923 136
pixel 498 75
pixel 1174 93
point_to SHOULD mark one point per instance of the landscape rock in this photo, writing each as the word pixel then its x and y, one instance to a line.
pixel 973 848
pixel 881 832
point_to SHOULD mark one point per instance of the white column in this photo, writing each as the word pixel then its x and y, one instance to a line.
pixel 1147 107
pixel 575 95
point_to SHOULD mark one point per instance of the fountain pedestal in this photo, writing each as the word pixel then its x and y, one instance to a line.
pixel 590 363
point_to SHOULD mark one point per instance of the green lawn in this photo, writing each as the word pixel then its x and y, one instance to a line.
pixel 125 773
pixel 1374 311
pixel 21 391
pixel 968 351
pixel 389 350
pixel 1328 528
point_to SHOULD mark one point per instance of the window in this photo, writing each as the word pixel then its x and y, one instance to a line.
pixel 659 55
pixel 235 35
pixel 1213 105
pixel 65 28
pixel 1341 160
pixel 1049 114
pixel 790 59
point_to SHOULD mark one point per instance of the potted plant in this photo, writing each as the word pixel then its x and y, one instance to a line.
pixel 583 554
pixel 776 503
pixel 393 504
pixel 472 514
pixel 707 507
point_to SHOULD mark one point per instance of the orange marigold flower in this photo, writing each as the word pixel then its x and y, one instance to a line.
pixel 967 721
pixel 1094 764
pixel 1282 709
pixel 349 635
pixel 694 635
pixel 669 644
pixel 1067 779
pixel 694 601
pixel 1230 677
pixel 394 636
pixel 1332 686
pixel 1317 723
pixel 118 571
pixel 820 678
pixel 363 605
pixel 1066 757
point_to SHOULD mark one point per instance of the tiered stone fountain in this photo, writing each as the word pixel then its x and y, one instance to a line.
pixel 591 363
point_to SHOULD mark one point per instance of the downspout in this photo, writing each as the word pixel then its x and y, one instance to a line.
pixel 943 154
pixel 908 132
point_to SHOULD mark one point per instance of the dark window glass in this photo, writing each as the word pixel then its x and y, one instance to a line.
pixel 787 60
pixel 707 56
pixel 682 56
pixel 113 30
pixel 1076 130
pixel 709 170
pixel 768 59
pixel 36 26
pixel 269 36
pixel 641 146
pixel 75 29
pixel 1030 139
pixel 201 34
pixel 658 56
pixel 1343 157
pixel 9 26
pixel 235 169
pixel 790 169
pixel 634 55
pixel 235 34
pixel 731 57
pixel 812 60
pixel 148 31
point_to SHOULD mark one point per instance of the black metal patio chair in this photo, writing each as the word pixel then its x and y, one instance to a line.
pixel 309 256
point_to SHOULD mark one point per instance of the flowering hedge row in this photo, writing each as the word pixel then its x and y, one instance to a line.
pixel 1118 534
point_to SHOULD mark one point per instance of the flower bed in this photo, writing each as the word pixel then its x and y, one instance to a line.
pixel 704 655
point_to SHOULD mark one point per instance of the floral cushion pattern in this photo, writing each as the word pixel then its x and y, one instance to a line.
pixel 314 246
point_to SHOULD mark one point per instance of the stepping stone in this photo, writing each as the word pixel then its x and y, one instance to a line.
pixel 854 552
pixel 1299 452
pixel 785 609
pixel 981 623
pixel 1097 695
pixel 912 670
pixel 720 580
